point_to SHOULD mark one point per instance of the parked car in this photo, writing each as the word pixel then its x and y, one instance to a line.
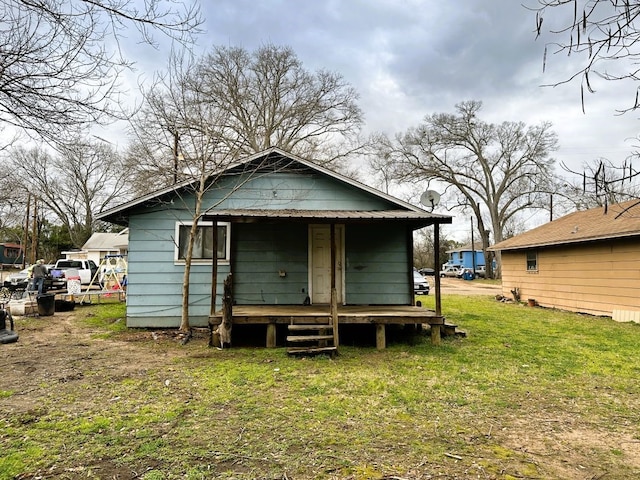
pixel 427 271
pixel 85 269
pixel 480 271
pixel 420 284
pixel 449 272
pixel 466 271
pixel 18 280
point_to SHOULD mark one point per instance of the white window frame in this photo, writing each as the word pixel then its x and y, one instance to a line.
pixel 201 261
pixel 534 254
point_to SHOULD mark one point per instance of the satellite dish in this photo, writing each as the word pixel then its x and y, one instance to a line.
pixel 430 199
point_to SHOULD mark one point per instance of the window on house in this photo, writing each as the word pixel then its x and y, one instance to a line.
pixel 203 246
pixel 532 260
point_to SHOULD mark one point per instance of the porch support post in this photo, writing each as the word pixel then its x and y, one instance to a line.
pixel 333 256
pixel 435 335
pixel 436 254
pixel 334 317
pixel 334 292
pixel 381 341
pixel 214 269
pixel 435 329
pixel 214 280
pixel 271 335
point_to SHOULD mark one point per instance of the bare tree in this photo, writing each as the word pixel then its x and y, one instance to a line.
pixel 604 32
pixel 600 183
pixel 262 99
pixel 268 99
pixel 424 248
pixel 495 170
pixel 74 184
pixel 61 60
pixel 201 115
pixel 178 140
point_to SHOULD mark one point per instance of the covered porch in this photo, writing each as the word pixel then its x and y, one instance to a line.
pixel 326 316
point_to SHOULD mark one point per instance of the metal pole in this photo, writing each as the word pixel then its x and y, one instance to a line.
pixel 473 249
pixel 26 232
pixel 436 247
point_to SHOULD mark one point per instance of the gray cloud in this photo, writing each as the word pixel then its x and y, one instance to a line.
pixel 410 58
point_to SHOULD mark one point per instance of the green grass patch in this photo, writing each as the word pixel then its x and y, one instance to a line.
pixel 108 316
pixel 526 394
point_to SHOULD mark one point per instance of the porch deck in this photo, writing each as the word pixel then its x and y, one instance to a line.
pixel 379 315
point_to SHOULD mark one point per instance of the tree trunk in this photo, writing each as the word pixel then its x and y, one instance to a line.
pixel 227 312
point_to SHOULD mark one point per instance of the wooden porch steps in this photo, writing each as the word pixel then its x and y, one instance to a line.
pixel 311 350
pixel 449 329
pixel 318 338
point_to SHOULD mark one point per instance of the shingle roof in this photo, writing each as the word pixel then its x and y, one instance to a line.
pixel 602 223
pixel 106 241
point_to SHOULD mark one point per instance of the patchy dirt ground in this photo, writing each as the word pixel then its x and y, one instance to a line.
pixel 57 351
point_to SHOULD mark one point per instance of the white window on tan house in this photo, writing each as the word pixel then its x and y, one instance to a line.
pixel 532 261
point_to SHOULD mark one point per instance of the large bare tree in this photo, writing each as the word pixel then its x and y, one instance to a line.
pixel 178 140
pixel 61 60
pixel 495 170
pixel 202 114
pixel 603 34
pixel 73 184
pixel 260 100
pixel 268 99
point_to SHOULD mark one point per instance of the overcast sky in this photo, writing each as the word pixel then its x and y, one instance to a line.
pixel 411 58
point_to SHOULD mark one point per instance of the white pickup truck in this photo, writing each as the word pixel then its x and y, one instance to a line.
pixel 86 269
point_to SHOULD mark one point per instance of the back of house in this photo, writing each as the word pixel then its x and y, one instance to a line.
pixel 287 229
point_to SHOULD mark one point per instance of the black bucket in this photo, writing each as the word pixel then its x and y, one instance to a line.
pixel 46 304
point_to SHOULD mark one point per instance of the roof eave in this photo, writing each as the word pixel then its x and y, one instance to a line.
pixel 114 215
pixel 566 242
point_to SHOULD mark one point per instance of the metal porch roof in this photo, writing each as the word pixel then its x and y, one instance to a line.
pixel 417 218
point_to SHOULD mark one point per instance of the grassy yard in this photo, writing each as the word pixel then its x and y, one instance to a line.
pixel 529 393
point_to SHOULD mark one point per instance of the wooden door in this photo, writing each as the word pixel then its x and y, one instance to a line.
pixel 320 262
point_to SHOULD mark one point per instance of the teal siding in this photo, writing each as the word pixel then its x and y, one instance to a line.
pixel 261 252
pixel 376 266
pixel 154 290
pixel 289 190
pixel 377 269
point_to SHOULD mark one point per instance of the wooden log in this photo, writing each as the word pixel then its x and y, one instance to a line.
pixel 224 329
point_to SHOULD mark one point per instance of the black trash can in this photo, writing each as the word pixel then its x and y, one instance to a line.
pixel 46 304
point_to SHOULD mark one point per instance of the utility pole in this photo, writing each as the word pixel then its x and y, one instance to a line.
pixel 25 236
pixel 175 156
pixel 34 233
pixel 473 249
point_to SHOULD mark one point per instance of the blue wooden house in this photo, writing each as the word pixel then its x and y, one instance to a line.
pixel 290 232
pixel 464 256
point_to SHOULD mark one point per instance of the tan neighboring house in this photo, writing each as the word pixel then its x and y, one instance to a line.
pixel 587 261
